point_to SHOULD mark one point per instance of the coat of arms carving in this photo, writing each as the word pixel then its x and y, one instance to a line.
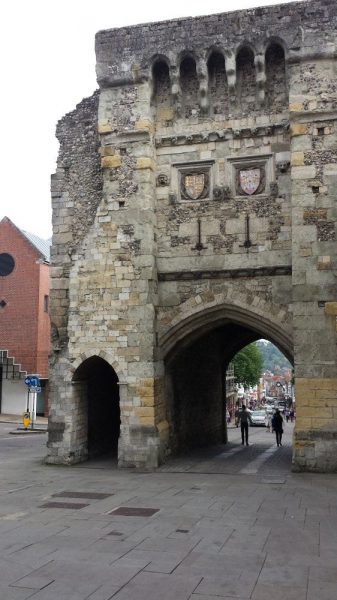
pixel 250 181
pixel 195 185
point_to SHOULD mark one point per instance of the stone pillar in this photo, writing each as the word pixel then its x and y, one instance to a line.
pixel 314 191
pixel 129 163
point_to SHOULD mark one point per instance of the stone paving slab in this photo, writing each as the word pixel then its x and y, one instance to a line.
pixel 222 534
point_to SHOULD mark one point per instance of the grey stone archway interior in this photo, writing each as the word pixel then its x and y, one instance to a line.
pixel 98 405
pixel 197 355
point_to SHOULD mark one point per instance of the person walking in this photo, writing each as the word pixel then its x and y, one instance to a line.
pixel 277 425
pixel 244 418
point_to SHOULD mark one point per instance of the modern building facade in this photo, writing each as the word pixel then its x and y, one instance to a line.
pixel 24 316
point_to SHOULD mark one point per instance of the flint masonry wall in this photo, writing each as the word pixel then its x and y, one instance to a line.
pixel 158 238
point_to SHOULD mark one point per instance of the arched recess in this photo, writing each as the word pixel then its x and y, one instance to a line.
pixel 97 407
pixel 245 80
pixel 218 87
pixel 189 85
pixel 161 97
pixel 196 353
pixel 276 80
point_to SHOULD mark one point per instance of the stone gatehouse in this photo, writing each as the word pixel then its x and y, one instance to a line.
pixel 194 211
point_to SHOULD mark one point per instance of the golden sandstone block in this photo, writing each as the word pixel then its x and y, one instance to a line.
pixel 330 308
pixel 145 162
pixel 297 159
pixel 111 162
pixel 296 107
pixel 145 124
pixel 104 127
pixel 298 129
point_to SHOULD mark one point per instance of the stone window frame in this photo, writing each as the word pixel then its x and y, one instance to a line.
pixel 181 168
pixel 264 161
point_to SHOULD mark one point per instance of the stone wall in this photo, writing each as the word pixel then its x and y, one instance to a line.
pixel 207 213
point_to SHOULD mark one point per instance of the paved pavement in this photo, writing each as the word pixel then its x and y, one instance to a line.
pixel 231 522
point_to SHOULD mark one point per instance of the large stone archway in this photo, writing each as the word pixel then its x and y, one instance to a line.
pixel 196 351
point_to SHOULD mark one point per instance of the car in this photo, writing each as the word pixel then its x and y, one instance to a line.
pixel 259 418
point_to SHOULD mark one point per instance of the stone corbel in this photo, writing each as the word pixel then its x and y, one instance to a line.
pixel 162 180
pixel 282 161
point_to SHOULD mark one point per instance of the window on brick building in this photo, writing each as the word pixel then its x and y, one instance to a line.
pixel 7 264
pixel 46 303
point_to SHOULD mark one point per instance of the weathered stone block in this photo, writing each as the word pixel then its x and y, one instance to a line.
pixel 111 162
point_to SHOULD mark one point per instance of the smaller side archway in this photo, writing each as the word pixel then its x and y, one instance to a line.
pixel 97 404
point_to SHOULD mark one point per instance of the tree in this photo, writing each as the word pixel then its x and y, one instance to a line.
pixel 248 365
pixel 273 360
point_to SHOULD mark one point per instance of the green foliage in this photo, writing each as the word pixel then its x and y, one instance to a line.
pixel 273 359
pixel 248 365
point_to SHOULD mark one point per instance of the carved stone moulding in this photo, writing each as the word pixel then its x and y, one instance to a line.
pixel 282 270
pixel 221 134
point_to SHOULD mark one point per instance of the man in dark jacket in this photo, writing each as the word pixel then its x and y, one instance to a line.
pixel 244 418
pixel 277 426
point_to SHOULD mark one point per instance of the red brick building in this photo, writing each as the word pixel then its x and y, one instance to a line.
pixel 24 316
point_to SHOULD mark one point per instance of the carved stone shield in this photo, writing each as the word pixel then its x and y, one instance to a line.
pixel 194 185
pixel 250 180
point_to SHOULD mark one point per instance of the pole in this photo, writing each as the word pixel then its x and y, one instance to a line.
pixel 33 413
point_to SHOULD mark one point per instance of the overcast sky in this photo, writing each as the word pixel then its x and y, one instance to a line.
pixel 47 67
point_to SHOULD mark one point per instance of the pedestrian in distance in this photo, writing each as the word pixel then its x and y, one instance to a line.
pixel 244 418
pixel 237 416
pixel 277 425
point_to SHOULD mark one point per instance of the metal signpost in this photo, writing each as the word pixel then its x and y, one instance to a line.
pixel 34 388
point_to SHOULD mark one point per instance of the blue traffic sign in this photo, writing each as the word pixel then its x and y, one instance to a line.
pixel 33 381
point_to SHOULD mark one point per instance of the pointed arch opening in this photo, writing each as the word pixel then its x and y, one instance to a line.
pixel 97 404
pixel 196 365
pixel 276 80
pixel 245 80
pixel 189 85
pixel 162 99
pixel 218 87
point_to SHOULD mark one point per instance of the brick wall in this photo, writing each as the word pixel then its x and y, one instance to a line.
pixel 19 332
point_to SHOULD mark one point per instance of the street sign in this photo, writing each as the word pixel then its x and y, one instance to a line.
pixel 33 382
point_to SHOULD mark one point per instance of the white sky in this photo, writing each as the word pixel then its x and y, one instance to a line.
pixel 47 67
